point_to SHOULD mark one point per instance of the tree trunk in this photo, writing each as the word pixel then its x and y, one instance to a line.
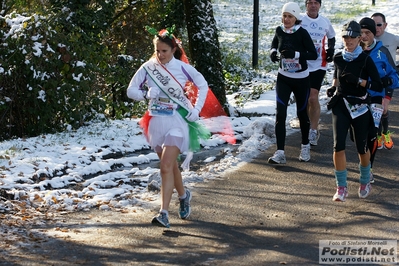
pixel 204 45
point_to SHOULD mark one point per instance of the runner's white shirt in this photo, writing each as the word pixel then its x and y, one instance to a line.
pixel 320 30
pixel 390 41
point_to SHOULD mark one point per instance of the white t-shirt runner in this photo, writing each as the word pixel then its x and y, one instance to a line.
pixel 320 30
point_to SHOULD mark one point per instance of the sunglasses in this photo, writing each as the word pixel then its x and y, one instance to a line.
pixel 379 24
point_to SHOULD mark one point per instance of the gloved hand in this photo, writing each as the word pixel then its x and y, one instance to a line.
pixel 330 55
pixel 288 53
pixel 331 91
pixel 386 81
pixel 274 57
pixel 350 78
pixel 193 115
pixel 153 93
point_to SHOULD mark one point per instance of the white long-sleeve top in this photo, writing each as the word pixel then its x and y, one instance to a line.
pixel 181 71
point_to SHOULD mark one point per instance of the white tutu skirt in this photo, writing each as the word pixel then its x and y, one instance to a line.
pixel 168 131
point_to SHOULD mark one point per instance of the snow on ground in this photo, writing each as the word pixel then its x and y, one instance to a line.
pixel 107 165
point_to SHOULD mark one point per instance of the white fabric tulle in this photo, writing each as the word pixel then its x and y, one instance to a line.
pixel 168 131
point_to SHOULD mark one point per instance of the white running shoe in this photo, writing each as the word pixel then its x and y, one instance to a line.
pixel 341 194
pixel 314 136
pixel 305 153
pixel 277 158
pixel 364 190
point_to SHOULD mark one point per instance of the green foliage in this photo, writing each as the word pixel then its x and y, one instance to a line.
pixel 50 75
pixel 72 60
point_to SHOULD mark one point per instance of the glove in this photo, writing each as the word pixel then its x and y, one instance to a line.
pixel 350 78
pixel 288 53
pixel 193 115
pixel 330 55
pixel 386 81
pixel 331 91
pixel 153 93
pixel 274 57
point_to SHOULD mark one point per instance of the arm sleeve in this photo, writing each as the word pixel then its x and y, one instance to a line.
pixel 390 68
pixel 372 72
pixel 331 43
pixel 134 90
pixel 274 42
pixel 202 85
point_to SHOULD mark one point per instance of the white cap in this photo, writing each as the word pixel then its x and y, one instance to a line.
pixel 293 9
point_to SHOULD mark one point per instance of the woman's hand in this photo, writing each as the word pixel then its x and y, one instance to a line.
pixel 193 115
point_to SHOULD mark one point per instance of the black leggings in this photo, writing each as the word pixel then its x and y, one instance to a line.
pixel 342 121
pixel 284 87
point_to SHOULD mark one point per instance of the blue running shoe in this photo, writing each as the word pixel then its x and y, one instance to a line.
pixel 161 220
pixel 185 208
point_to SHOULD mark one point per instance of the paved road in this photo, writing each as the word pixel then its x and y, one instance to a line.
pixel 257 215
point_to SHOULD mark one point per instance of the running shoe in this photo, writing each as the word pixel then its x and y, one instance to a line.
pixel 388 143
pixel 371 176
pixel 314 136
pixel 380 142
pixel 364 190
pixel 277 158
pixel 341 194
pixel 161 220
pixel 304 156
pixel 185 208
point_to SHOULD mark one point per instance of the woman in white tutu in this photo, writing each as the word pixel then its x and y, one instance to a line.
pixel 170 122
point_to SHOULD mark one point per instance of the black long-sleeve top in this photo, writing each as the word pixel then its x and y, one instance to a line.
pixel 363 67
pixel 299 41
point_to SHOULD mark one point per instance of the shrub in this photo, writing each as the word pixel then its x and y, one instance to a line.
pixel 47 76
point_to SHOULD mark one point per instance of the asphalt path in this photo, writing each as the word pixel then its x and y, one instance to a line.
pixel 257 215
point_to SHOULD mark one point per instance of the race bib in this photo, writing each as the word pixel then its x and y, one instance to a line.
pixel 376 111
pixel 158 108
pixel 291 64
pixel 357 109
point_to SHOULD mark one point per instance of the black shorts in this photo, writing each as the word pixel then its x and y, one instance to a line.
pixel 316 79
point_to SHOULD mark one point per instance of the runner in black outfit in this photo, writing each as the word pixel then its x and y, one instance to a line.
pixel 354 72
pixel 295 47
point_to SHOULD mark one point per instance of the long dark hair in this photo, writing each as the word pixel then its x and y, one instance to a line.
pixel 170 41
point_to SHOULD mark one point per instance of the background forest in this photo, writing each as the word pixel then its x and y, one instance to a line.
pixel 66 62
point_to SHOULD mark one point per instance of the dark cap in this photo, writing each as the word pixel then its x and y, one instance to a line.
pixel 351 29
pixel 306 1
pixel 368 23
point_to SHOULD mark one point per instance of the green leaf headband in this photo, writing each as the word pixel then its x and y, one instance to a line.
pixel 167 32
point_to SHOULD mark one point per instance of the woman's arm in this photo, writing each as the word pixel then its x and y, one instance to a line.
pixel 134 90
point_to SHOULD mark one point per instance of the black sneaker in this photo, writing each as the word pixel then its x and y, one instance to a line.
pixel 161 220
pixel 185 208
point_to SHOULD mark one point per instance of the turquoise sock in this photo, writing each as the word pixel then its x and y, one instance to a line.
pixel 364 174
pixel 340 178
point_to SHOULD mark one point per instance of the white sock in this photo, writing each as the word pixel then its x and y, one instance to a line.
pixel 184 195
pixel 164 211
